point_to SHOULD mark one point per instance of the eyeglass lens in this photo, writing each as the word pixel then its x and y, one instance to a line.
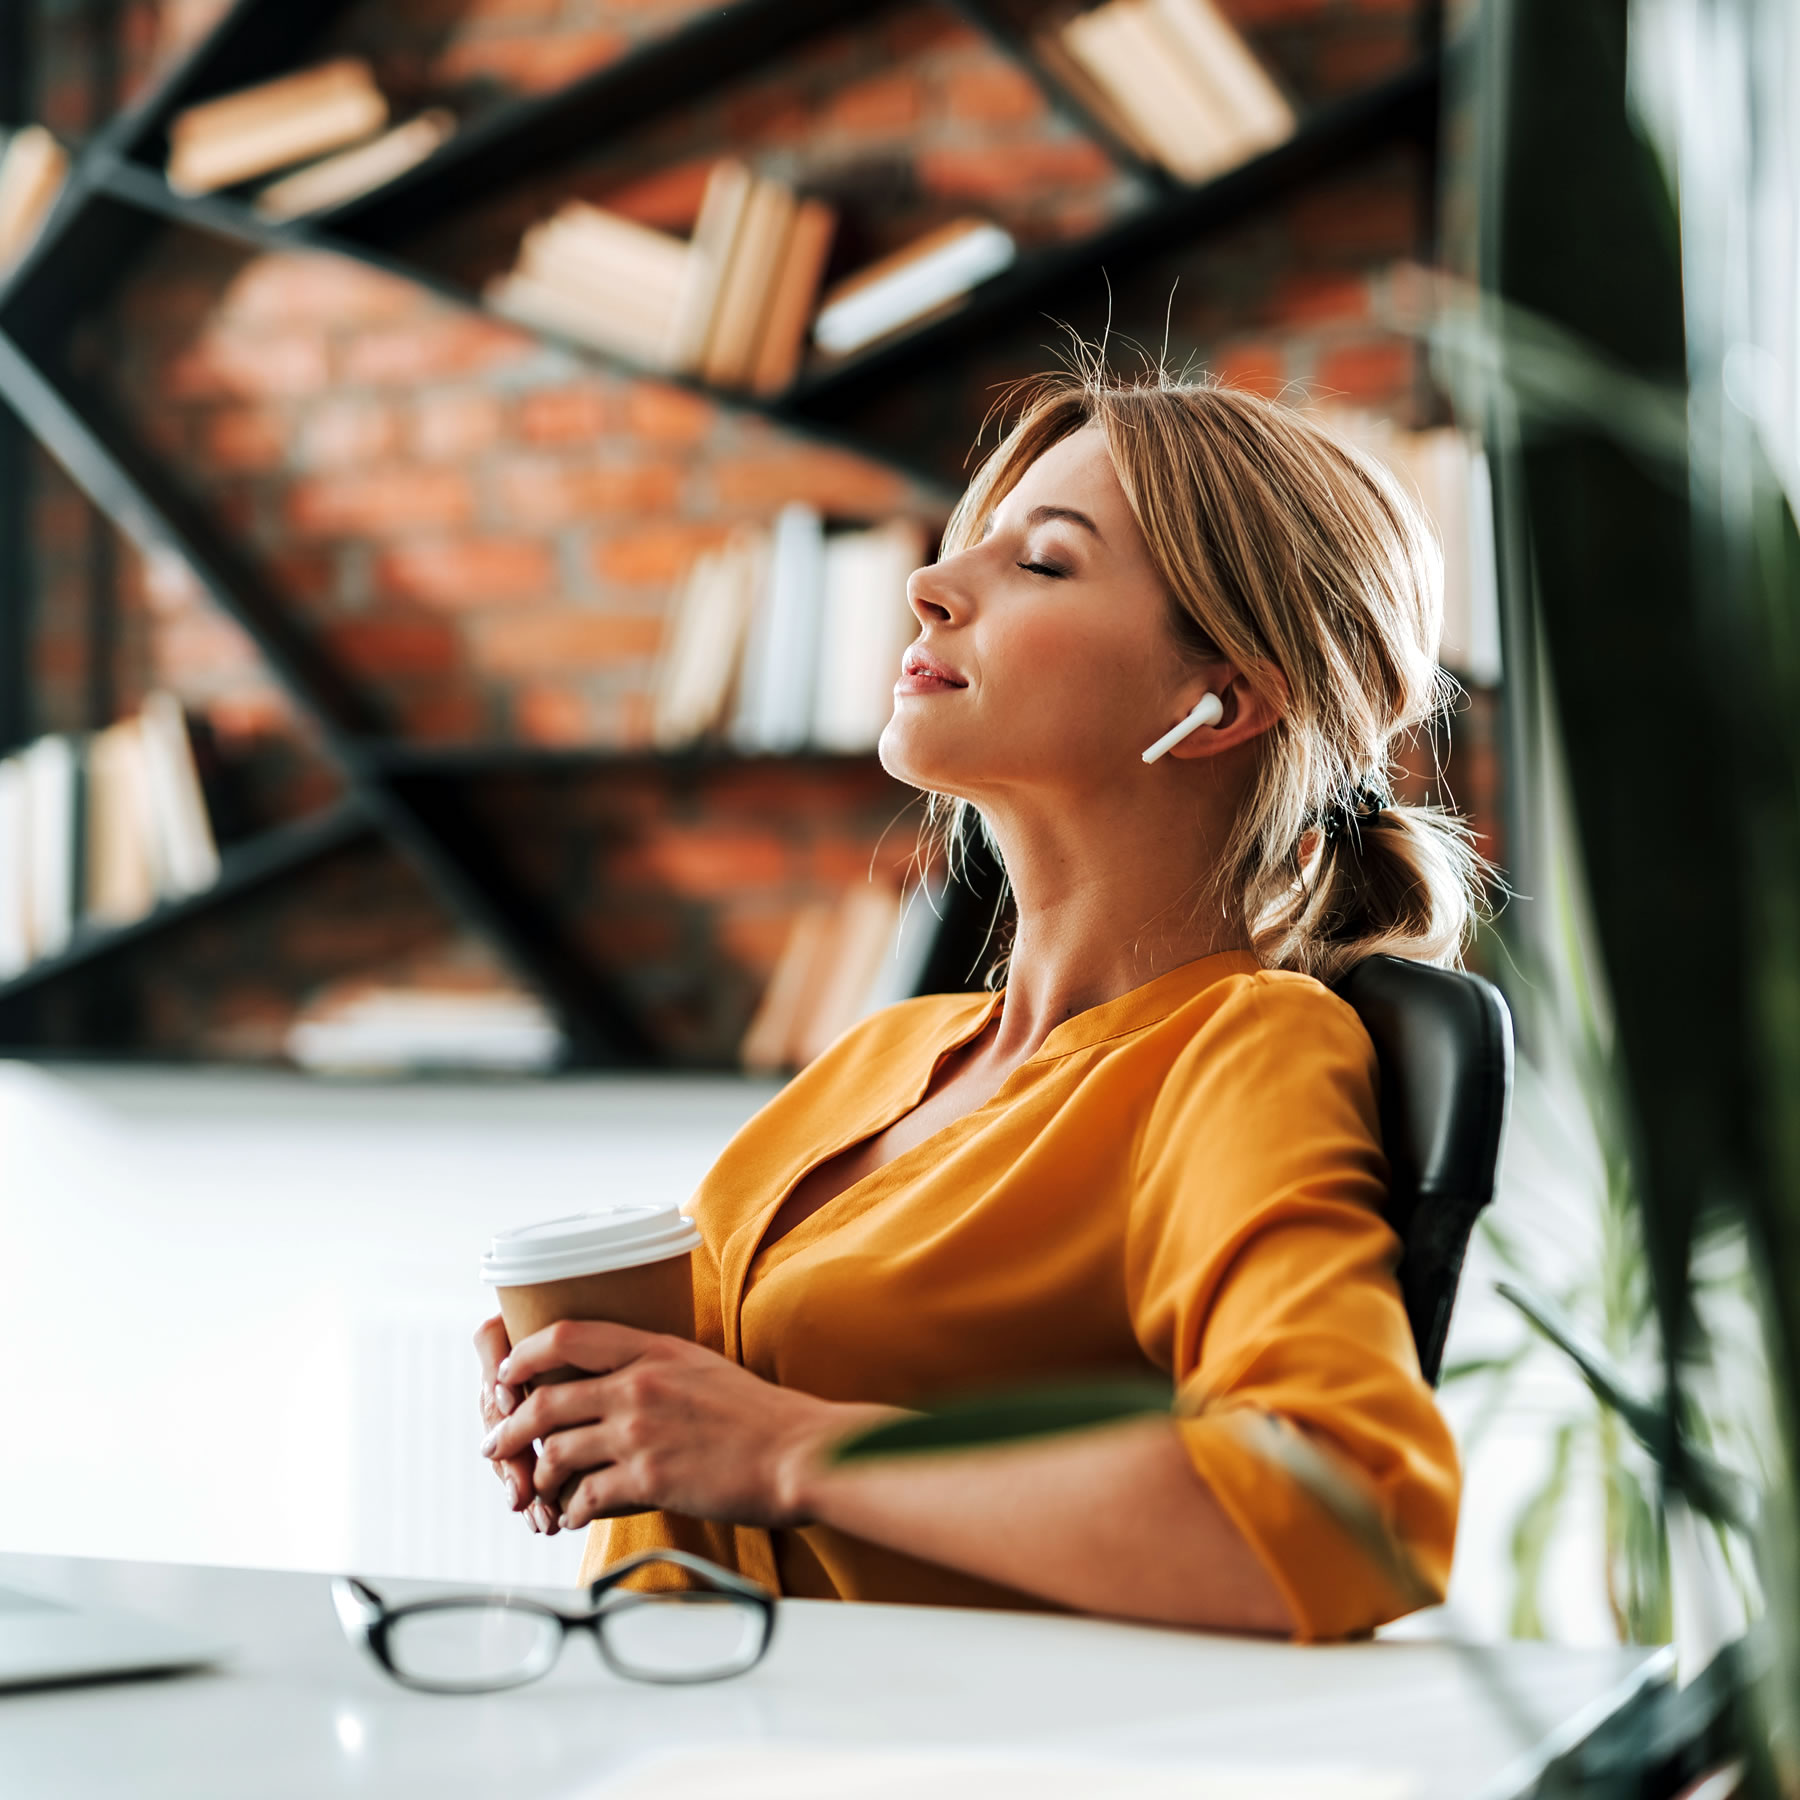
pixel 691 1636
pixel 472 1647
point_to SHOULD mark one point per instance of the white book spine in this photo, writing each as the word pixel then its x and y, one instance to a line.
pixel 1210 45
pixel 903 965
pixel 50 855
pixel 15 868
pixel 780 671
pixel 190 856
pixel 836 725
pixel 867 626
pixel 871 312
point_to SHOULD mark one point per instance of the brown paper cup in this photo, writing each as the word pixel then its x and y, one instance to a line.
pixel 655 1296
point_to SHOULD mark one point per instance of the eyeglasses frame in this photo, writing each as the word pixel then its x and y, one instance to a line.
pixel 368 1618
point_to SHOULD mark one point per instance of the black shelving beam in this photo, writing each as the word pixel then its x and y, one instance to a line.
pixel 243 867
pixel 117 200
pixel 144 191
pixel 1403 108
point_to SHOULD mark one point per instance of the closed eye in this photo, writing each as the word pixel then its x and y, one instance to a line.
pixel 1047 569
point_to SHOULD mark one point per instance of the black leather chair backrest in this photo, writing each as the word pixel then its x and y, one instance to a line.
pixel 1444 1043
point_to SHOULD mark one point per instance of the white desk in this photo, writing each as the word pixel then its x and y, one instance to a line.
pixel 299 1713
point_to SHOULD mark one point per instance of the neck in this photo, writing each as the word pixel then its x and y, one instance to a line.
pixel 1109 896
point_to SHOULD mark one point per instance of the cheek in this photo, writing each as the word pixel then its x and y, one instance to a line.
pixel 1064 677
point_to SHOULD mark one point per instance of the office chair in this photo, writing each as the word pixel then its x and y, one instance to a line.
pixel 1444 1044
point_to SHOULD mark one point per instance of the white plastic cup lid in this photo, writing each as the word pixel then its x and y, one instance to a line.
pixel 590 1243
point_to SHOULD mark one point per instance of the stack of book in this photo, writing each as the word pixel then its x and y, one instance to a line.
pixel 789 639
pixel 1446 472
pixel 98 829
pixel 1173 80
pixel 332 118
pixel 923 278
pixel 731 305
pixel 33 167
pixel 367 1029
pixel 841 962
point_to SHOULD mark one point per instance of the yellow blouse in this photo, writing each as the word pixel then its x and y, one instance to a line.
pixel 1186 1179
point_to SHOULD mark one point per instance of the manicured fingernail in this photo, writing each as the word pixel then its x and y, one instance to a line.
pixel 503 1400
pixel 503 1368
pixel 488 1442
pixel 541 1513
pixel 531 1520
pixel 565 1522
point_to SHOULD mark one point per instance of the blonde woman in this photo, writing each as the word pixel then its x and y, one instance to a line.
pixel 1155 1149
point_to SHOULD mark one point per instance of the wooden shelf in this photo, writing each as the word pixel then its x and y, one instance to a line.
pixel 251 864
pixel 117 201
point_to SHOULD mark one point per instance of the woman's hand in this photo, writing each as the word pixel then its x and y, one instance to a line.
pixel 498 1400
pixel 663 1425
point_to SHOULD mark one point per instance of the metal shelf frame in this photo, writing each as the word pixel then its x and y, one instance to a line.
pixel 117 202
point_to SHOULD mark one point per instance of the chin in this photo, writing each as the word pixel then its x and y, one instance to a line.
pixel 906 754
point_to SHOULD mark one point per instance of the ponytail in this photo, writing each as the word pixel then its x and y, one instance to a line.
pixel 1389 880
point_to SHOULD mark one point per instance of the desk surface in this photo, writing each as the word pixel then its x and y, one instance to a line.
pixel 298 1713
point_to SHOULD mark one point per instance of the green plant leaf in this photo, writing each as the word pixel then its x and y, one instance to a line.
pixel 1010 1417
pixel 1532 1534
pixel 1706 1484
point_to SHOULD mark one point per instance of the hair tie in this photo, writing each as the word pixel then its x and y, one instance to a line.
pixel 1364 806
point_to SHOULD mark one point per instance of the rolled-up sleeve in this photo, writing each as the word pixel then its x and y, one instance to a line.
pixel 1261 1274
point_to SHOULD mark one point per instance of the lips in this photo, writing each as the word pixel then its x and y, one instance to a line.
pixel 923 673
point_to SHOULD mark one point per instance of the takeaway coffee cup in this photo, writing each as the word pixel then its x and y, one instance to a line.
pixel 630 1264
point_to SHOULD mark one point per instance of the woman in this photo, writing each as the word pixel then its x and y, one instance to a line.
pixel 1156 1149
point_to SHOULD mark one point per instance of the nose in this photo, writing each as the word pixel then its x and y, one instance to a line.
pixel 934 595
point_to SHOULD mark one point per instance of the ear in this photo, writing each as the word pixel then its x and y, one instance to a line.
pixel 1249 709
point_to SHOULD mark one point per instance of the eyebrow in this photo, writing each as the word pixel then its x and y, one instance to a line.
pixel 1039 513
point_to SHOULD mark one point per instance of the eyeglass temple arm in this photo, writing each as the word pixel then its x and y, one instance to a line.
pixel 727 1579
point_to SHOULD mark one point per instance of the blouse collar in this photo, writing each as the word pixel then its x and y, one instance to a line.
pixel 1141 1006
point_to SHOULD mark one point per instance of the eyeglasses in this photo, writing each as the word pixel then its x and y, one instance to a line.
pixel 478 1643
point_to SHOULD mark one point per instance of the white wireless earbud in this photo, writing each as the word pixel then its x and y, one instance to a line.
pixel 1209 712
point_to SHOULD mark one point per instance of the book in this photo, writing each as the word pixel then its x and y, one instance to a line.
pixel 32 171
pixel 796 293
pixel 1123 49
pixel 394 1030
pixel 530 301
pixel 259 130
pixel 189 857
pixel 749 280
pixel 15 864
pixel 590 250
pixel 862 935
pixel 902 288
pixel 602 279
pixel 1222 65
pixel 716 229
pixel 771 1041
pixel 865 628
pixel 356 171
pixel 1054 54
pixel 1183 80
pixel 700 662
pixel 775 692
pixel 903 964
pixel 122 865
pixel 52 776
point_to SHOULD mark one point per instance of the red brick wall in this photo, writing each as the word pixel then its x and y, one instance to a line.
pixel 486 532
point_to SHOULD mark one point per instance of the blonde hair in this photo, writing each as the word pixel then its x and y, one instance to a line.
pixel 1282 548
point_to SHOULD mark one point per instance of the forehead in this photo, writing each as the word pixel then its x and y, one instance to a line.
pixel 1078 471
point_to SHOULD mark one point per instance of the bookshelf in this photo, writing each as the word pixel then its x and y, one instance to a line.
pixel 414 795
